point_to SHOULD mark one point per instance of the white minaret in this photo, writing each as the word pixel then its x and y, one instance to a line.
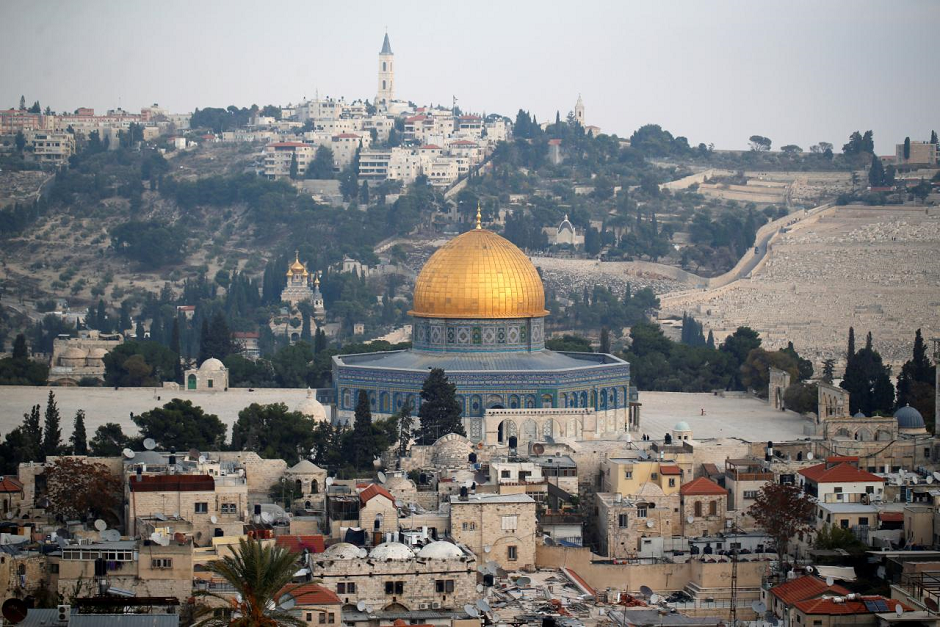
pixel 936 360
pixel 579 111
pixel 386 92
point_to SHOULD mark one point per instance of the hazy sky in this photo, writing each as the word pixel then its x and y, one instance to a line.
pixel 797 72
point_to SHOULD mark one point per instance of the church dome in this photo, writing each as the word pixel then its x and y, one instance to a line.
pixel 341 551
pixel 682 426
pixel 479 274
pixel 909 418
pixel 391 551
pixel 312 408
pixel 211 365
pixel 440 550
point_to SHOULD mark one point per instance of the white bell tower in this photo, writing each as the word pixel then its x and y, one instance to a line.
pixel 579 111
pixel 386 90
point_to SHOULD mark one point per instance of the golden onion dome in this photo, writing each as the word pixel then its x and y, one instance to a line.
pixel 479 274
pixel 296 267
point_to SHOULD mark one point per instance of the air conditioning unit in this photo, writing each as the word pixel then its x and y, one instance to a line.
pixel 64 611
pixel 423 606
pixel 436 605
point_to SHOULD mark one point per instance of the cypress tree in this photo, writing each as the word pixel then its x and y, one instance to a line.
pixel 305 329
pixel 204 341
pixel 439 411
pixel 79 437
pixel 850 353
pixel 710 342
pixel 175 346
pixel 605 340
pixel 52 433
pixel 32 430
pixel 20 350
pixel 362 429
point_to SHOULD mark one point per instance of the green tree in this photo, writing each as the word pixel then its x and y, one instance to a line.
pixel 829 367
pixel 181 425
pixel 140 364
pixel 738 346
pixel 52 432
pixel 907 148
pixel 176 347
pixel 850 351
pixel 876 173
pixel 801 397
pixel 216 339
pixel 570 343
pixel 293 166
pixel 755 371
pixel 605 340
pixel 439 412
pixel 109 440
pixel 832 538
pixel 273 432
pixel 405 427
pixel 20 350
pixel 20 141
pixel 261 575
pixel 916 382
pixel 79 439
pixel 868 382
pixel 364 448
pixel 805 366
pixel 759 143
pixel 322 166
pixel 19 369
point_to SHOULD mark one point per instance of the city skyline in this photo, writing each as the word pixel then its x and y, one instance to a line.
pixel 825 85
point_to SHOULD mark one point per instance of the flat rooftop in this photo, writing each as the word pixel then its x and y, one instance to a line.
pixel 744 417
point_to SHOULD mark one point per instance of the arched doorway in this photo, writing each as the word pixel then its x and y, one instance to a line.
pixel 505 430
pixel 191 382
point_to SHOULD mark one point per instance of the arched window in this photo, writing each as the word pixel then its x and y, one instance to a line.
pixel 547 400
pixel 698 509
pixel 383 84
pixel 383 67
pixel 314 487
pixel 347 398
pixel 713 508
pixel 377 525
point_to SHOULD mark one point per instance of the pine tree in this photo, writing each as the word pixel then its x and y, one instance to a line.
pixel 52 433
pixel 828 370
pixel 364 438
pixel 293 166
pixel 917 380
pixel 876 174
pixel 868 342
pixel 20 350
pixel 102 317
pixel 710 342
pixel 907 148
pixel 204 341
pixel 933 138
pixel 139 332
pixel 405 426
pixel 319 341
pixel 440 411
pixel 32 432
pixel 79 437
pixel 850 353
pixel 176 347
pixel 305 329
pixel 605 340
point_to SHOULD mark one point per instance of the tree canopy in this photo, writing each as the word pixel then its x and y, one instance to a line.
pixel 181 425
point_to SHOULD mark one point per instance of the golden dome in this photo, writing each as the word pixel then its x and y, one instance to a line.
pixel 479 275
pixel 296 267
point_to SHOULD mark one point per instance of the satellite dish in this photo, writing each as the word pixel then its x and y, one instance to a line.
pixel 63 533
pixel 538 449
pixel 376 463
pixel 361 606
pixel 929 478
pixel 646 591
pixel 329 481
pixel 487 548
pixel 654 599
pixel 214 519
pixel 150 444
pixel 382 477
pixel 266 517
pixel 898 609
pixel 202 459
pixel 14 610
pixel 287 602
pixel 128 453
pixel 471 611
pixel 62 542
pixel 363 552
pixel 830 581
pixel 809 456
pixel 101 525
pixel 160 516
pixel 758 607
pixel 523 581
pixel 113 535
pixel 774 621
pixel 480 587
pixel 690 519
pixel 650 523
pixel 483 606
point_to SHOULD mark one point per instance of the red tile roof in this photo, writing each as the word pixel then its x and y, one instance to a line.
pixel 311 594
pixel 702 486
pixel 579 581
pixel 891 516
pixel 313 543
pixel 430 147
pixel 846 607
pixel 373 491
pixel 9 484
pixel 843 472
pixel 710 469
pixel 669 469
pixel 554 142
pixel 803 588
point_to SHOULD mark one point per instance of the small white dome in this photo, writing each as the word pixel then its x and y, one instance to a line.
pixel 304 467
pixel 97 353
pixel 312 408
pixel 74 352
pixel 211 365
pixel 682 426
pixel 342 551
pixel 440 550
pixel 392 551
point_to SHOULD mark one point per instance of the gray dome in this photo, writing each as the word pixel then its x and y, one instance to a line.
pixel 859 415
pixel 440 550
pixel 341 551
pixel 392 551
pixel 909 418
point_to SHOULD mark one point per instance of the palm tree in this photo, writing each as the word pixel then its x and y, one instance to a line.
pixel 258 573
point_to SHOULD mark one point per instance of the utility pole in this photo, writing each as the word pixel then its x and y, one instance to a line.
pixel 734 574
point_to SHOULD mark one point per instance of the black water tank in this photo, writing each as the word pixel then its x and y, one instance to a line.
pixel 257 509
pixel 513 441
pixel 463 492
pixel 473 458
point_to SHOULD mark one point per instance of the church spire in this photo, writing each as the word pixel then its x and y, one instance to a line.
pixel 386 47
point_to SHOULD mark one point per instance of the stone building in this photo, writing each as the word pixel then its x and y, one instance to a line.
pixel 314 604
pixel 497 527
pixel 627 526
pixel 630 471
pixel 566 234
pixel 393 577
pixel 211 376
pixel 298 283
pixel 145 569
pixel 377 512
pixel 479 309
pixel 201 505
pixel 703 505
pixel 779 382
pixel 386 89
pixel 77 358
pixel 309 482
